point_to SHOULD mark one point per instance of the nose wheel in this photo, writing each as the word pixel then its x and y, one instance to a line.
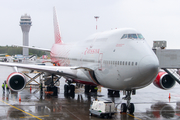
pixel 127 106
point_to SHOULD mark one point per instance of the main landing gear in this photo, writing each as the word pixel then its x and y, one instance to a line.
pixel 51 88
pixel 129 106
pixel 90 88
pixel 69 89
pixel 113 93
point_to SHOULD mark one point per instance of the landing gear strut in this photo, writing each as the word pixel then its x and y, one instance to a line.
pixel 129 106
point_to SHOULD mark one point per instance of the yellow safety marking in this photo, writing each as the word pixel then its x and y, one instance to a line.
pixel 36 116
pixel 131 115
pixel 21 110
pixel 134 116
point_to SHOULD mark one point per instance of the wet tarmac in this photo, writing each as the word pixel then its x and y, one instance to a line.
pixel 150 103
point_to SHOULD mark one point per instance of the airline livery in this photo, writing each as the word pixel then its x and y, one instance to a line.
pixel 118 59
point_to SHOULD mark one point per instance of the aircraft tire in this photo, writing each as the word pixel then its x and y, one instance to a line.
pixel 123 108
pixel 72 88
pixel 116 93
pixel 131 108
pixel 110 92
pixel 87 88
pixel 66 88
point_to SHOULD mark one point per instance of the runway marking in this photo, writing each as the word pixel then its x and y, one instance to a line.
pixel 36 116
pixel 21 110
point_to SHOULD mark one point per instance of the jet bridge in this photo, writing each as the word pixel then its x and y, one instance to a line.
pixel 169 59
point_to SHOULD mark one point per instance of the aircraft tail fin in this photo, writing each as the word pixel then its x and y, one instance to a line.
pixel 57 34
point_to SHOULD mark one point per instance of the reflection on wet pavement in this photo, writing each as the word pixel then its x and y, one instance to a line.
pixel 150 103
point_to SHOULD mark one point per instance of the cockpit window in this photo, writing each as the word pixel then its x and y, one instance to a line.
pixel 132 36
pixel 124 36
pixel 140 36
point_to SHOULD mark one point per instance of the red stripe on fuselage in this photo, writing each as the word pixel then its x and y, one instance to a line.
pixel 84 82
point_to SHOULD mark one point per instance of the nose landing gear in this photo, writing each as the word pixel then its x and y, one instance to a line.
pixel 129 106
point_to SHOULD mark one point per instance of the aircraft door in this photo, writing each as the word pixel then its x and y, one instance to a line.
pixel 100 61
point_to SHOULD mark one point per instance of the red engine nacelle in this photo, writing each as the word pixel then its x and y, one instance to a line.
pixel 16 81
pixel 164 81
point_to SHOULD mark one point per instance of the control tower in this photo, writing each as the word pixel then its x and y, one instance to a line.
pixel 25 23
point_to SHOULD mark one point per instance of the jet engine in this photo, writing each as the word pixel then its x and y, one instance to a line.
pixel 16 81
pixel 164 81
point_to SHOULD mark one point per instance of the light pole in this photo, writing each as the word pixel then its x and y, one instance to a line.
pixel 96 17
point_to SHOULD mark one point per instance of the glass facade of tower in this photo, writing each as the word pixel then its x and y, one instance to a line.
pixel 25 23
pixel 25 20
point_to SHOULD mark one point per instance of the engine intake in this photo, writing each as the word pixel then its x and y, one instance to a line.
pixel 16 81
pixel 164 81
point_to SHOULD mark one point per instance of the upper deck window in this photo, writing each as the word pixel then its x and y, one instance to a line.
pixel 132 36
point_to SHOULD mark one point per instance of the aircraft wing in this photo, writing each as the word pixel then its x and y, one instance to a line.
pixel 3 54
pixel 36 48
pixel 69 72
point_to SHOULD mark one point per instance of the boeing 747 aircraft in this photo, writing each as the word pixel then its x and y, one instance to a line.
pixel 118 59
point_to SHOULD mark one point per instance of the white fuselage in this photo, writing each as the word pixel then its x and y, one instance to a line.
pixel 118 63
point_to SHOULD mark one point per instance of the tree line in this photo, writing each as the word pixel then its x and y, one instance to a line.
pixel 13 50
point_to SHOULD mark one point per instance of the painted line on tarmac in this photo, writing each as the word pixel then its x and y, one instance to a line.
pixel 134 116
pixel 130 115
pixel 21 110
pixel 73 114
pixel 36 116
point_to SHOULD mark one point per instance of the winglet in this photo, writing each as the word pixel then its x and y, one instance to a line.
pixel 57 35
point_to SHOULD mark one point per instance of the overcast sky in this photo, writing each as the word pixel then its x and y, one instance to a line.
pixel 155 19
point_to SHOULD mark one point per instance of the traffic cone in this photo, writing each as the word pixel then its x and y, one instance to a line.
pixel 19 97
pixel 169 95
pixel 30 88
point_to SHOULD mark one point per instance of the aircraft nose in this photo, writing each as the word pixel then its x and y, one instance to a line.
pixel 149 66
